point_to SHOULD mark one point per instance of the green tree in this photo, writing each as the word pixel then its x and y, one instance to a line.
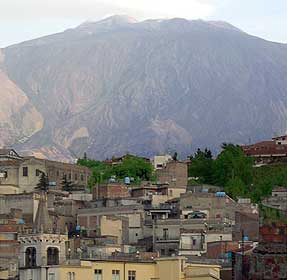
pixel 131 166
pixel 202 166
pixel 236 188
pixel 43 183
pixel 231 163
pixel 66 184
pixel 232 167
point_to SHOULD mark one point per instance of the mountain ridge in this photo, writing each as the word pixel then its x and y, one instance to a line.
pixel 149 87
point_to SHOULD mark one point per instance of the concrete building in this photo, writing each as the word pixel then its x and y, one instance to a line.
pixel 175 175
pixel 195 242
pixel 91 219
pixel 278 199
pixel 218 206
pixel 187 237
pixel 160 161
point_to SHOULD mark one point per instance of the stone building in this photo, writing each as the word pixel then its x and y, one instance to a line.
pixel 42 247
pixel 22 174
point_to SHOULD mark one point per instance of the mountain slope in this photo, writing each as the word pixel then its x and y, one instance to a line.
pixel 145 87
pixel 18 117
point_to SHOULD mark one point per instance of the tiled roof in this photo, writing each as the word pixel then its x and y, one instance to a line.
pixel 265 148
pixel 271 249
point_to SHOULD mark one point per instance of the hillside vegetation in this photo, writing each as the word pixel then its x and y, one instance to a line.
pixel 133 167
pixel 235 172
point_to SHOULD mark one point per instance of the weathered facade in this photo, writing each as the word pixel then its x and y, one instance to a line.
pixel 23 174
pixel 175 175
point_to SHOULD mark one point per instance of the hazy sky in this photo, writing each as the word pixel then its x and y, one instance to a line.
pixel 26 19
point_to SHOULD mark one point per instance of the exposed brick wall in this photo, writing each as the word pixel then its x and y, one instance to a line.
pixel 83 221
pixel 216 249
pixel 110 191
pixel 175 173
pixel 248 223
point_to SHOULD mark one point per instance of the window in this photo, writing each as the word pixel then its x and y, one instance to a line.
pixel 30 257
pixel 13 267
pixel 115 275
pixel 52 256
pixel 58 173
pixel 76 177
pixel 51 276
pixel 3 174
pixel 25 171
pixel 98 274
pixel 71 276
pixel 82 177
pixel 193 242
pixel 165 233
pixel 132 275
pixel 70 176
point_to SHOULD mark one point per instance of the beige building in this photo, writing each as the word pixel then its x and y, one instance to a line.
pixel 214 206
pixel 43 256
pixel 131 225
pixel 160 161
pixel 18 175
pixel 27 202
pixel 158 269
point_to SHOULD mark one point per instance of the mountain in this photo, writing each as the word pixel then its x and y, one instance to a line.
pixel 119 85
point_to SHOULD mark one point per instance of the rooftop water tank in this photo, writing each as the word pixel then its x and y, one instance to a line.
pixel 220 194
pixel 127 180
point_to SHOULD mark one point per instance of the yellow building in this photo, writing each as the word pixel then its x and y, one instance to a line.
pixel 158 269
pixel 202 272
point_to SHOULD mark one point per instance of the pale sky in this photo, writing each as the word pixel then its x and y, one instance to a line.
pixel 22 20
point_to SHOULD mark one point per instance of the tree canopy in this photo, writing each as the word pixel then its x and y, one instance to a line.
pixel 131 166
pixel 43 183
pixel 231 169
